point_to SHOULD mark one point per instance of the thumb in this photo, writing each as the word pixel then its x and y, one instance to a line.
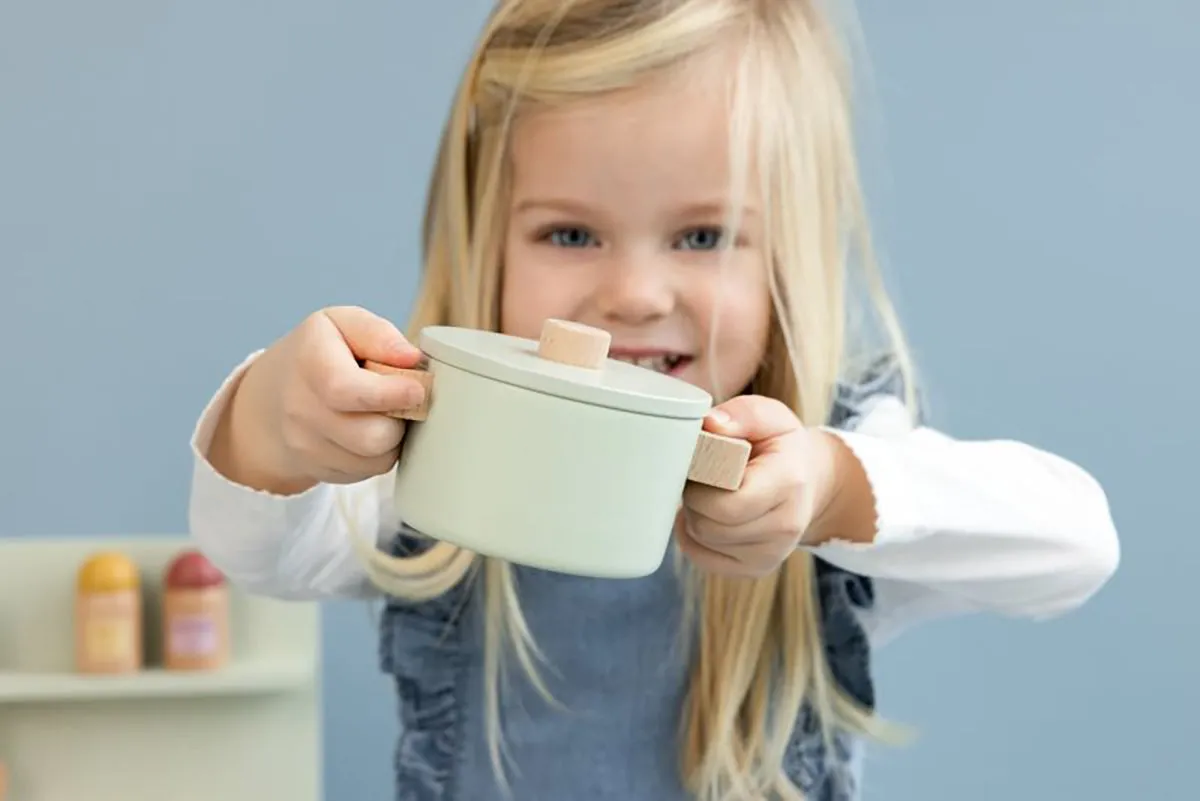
pixel 373 338
pixel 752 417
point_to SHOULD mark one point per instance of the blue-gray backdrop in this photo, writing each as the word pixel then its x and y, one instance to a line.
pixel 181 182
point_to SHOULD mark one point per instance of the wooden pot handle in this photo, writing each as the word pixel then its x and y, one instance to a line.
pixel 718 461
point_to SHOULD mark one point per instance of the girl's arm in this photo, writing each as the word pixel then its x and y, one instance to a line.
pixel 946 526
pixel 283 546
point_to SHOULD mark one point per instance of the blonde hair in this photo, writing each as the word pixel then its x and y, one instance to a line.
pixel 758 652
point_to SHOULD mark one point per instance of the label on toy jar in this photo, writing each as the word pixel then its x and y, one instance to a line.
pixel 110 629
pixel 109 640
pixel 193 635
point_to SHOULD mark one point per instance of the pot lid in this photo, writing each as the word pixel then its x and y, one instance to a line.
pixel 570 361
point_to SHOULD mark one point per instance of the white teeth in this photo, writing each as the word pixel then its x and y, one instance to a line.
pixel 660 364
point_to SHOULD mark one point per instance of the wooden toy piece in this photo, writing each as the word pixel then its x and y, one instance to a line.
pixel 719 461
pixel 195 614
pixel 419 412
pixel 575 344
pixel 108 615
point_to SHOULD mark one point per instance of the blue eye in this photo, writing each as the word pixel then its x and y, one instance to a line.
pixel 701 239
pixel 570 238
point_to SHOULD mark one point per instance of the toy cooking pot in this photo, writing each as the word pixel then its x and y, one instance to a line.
pixel 551 455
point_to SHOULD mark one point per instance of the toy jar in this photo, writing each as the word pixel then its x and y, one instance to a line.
pixel 108 615
pixel 195 614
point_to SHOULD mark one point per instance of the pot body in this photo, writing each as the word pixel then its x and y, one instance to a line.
pixel 542 481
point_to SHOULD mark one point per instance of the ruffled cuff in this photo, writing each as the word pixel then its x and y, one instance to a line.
pixel 897 512
pixel 240 527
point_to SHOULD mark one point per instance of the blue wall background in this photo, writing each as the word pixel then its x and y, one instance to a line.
pixel 181 182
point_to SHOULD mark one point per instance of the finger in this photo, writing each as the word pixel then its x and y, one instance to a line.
pixel 762 530
pixel 699 553
pixel 332 371
pixel 711 560
pixel 761 491
pixel 421 409
pixel 752 417
pixel 371 337
pixel 365 435
pixel 342 466
pixel 345 387
pixel 326 461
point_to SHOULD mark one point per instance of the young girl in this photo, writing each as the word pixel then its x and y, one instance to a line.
pixel 680 173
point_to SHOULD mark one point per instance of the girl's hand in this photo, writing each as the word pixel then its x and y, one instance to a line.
pixel 305 411
pixel 789 481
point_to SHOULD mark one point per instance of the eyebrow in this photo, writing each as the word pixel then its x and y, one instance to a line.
pixel 551 204
pixel 718 210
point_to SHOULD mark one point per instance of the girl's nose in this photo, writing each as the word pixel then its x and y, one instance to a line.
pixel 633 293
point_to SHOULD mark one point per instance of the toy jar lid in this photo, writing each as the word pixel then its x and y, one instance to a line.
pixel 191 570
pixel 108 571
pixel 570 361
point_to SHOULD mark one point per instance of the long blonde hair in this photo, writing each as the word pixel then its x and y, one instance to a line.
pixel 757 645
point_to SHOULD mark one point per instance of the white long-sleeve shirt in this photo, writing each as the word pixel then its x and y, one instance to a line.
pixel 963 526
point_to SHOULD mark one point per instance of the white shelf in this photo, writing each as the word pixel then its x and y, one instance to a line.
pixel 238 679
pixel 246 732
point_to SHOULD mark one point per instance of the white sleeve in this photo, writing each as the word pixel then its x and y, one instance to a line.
pixel 291 547
pixel 971 526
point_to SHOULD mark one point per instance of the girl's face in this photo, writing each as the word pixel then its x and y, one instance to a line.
pixel 616 222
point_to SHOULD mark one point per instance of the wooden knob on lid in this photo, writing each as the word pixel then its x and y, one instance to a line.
pixel 575 344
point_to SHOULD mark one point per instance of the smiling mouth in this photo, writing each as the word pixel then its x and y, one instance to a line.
pixel 668 363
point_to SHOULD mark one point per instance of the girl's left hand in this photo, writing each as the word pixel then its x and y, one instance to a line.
pixel 789 481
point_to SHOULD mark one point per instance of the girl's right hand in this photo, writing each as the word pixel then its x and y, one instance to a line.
pixel 306 412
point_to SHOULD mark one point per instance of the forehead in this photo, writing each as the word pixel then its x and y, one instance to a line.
pixel 667 136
